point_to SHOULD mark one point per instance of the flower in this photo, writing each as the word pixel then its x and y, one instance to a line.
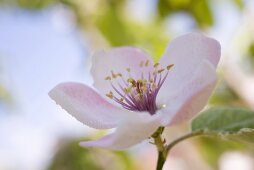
pixel 138 95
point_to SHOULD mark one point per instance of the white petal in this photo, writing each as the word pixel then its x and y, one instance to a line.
pixel 86 105
pixel 137 127
pixel 186 53
pixel 188 101
pixel 118 60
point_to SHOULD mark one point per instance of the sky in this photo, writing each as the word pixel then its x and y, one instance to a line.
pixel 37 51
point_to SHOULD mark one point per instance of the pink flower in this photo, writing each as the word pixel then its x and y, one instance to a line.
pixel 138 96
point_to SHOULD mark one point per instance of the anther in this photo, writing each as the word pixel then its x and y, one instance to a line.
pixel 113 74
pixel 170 66
pixel 156 65
pixel 110 95
pixel 128 69
pixel 108 78
pixel 132 81
pixel 127 90
pixel 161 70
pixel 147 63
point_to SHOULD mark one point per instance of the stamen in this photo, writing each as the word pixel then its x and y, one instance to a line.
pixel 161 70
pixel 170 66
pixel 138 94
pixel 108 78
pixel 110 95
pixel 127 90
pixel 132 81
pixel 156 65
pixel 147 63
pixel 113 74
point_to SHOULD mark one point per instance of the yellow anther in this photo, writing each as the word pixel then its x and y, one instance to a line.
pixel 121 99
pixel 161 70
pixel 147 63
pixel 110 95
pixel 127 90
pixel 113 74
pixel 140 85
pixel 170 66
pixel 128 69
pixel 144 81
pixel 141 64
pixel 156 65
pixel 144 89
pixel 140 81
pixel 132 81
pixel 119 74
pixel 108 78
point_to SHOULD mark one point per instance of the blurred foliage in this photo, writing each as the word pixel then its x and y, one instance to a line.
pixel 109 19
pixel 229 129
pixel 239 3
pixel 71 156
pixel 224 95
pixel 198 9
pixel 34 4
pixel 113 27
pixel 4 94
pixel 250 57
pixel 28 4
pixel 212 148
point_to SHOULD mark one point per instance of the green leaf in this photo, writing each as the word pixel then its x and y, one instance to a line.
pixel 225 96
pixel 244 135
pixel 229 123
pixel 113 27
pixel 199 9
pixel 239 3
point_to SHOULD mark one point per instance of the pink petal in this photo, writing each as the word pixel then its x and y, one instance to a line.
pixel 118 60
pixel 187 53
pixel 135 128
pixel 86 105
pixel 188 101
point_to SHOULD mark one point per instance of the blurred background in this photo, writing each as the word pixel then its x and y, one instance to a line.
pixel 45 42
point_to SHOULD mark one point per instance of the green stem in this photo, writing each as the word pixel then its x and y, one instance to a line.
pixel 161 160
pixel 159 142
pixel 189 135
pixel 163 149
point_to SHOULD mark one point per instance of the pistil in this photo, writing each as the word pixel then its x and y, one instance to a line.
pixel 140 94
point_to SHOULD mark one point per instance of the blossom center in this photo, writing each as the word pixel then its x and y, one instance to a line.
pixel 138 94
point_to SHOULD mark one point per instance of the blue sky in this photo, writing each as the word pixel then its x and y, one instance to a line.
pixel 37 51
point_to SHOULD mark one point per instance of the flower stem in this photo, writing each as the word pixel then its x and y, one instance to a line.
pixel 189 135
pixel 163 149
pixel 161 160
